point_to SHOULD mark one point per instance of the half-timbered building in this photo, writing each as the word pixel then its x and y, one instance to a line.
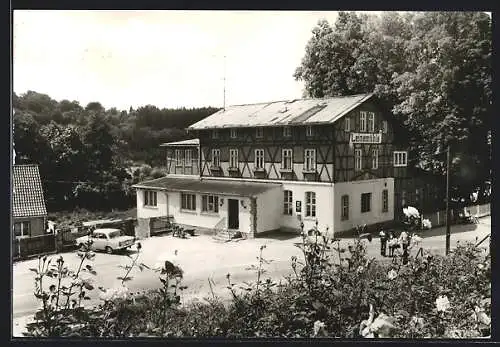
pixel 268 166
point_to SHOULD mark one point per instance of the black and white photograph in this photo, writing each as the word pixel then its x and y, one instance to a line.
pixel 251 174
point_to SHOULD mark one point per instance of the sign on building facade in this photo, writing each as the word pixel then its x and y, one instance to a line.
pixel 366 138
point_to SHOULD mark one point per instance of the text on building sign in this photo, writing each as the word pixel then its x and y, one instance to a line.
pixel 366 138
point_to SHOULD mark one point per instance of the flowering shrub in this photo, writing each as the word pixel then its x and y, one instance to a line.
pixel 115 294
pixel 426 224
pixel 442 303
pixel 411 212
pixel 334 291
pixel 61 310
pixel 415 239
pixel 411 219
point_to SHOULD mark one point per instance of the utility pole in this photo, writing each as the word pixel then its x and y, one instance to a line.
pixel 448 200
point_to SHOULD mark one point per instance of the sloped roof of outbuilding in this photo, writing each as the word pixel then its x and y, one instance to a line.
pixel 27 192
pixel 280 113
pixel 209 186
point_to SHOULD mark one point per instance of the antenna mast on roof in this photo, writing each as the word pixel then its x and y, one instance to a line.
pixel 224 74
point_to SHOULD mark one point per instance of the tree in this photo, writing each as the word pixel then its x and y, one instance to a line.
pixel 95 107
pixel 433 70
pixel 30 146
pixel 66 164
pixel 83 152
pixel 41 106
pixel 99 143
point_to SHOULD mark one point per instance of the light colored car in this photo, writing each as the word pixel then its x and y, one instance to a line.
pixel 108 240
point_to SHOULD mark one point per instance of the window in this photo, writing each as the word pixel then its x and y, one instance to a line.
pixel 384 127
pixel 362 121
pixel 178 157
pixel 385 200
pixel 400 158
pixel 149 198
pixel 366 201
pixel 188 159
pixel 22 229
pixel 233 158
pixel 215 134
pixel 259 158
pixel 310 204
pixel 215 157
pixel 347 124
pixel 286 159
pixel 344 213
pixel 210 203
pixel 309 131
pixel 234 133
pixel 188 202
pixel 259 132
pixel 288 203
pixel 310 159
pixel 375 158
pixel 371 122
pixel 358 159
pixel 287 132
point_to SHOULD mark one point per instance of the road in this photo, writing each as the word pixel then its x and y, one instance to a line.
pixel 202 258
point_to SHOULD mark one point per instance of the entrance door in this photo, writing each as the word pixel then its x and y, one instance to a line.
pixel 233 214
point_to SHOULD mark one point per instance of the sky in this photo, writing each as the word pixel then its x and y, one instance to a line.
pixel 163 58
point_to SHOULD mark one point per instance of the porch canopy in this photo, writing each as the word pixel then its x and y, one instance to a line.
pixel 181 184
pixel 184 143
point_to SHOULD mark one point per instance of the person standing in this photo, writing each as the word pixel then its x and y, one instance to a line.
pixel 405 256
pixel 392 243
pixel 383 242
pixel 404 239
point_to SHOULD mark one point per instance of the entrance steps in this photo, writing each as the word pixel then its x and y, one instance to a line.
pixel 225 235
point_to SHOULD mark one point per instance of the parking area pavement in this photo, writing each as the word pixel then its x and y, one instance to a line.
pixel 201 258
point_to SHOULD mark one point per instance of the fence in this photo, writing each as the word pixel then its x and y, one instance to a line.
pixel 63 239
pixel 29 246
pixel 66 238
pixel 439 218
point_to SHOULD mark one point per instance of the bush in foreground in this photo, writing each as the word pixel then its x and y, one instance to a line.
pixel 333 292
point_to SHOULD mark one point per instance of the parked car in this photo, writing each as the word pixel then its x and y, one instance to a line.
pixel 108 240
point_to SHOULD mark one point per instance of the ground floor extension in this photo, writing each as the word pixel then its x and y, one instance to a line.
pixel 253 208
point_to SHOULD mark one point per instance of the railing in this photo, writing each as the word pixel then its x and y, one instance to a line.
pixel 220 226
pixel 438 218
pixel 484 239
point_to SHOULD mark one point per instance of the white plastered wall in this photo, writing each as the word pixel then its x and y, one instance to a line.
pixel 324 206
pixel 354 190
pixel 269 210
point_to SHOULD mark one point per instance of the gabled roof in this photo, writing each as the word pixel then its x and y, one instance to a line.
pixel 197 185
pixel 190 142
pixel 279 113
pixel 27 192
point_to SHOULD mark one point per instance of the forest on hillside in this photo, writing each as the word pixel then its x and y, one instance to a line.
pixel 85 153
